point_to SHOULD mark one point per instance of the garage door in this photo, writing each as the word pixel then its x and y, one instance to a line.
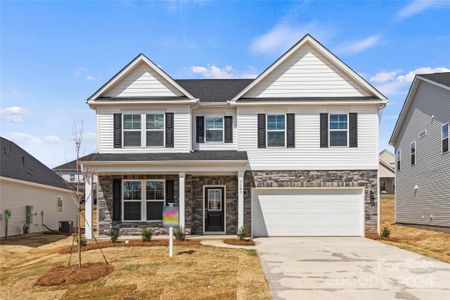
pixel 308 212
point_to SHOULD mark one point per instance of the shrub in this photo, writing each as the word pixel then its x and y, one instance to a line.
pixel 146 235
pixel 114 234
pixel 26 228
pixel 82 242
pixel 179 234
pixel 242 232
pixel 386 232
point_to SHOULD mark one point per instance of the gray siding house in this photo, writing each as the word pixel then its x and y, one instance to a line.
pixel 421 146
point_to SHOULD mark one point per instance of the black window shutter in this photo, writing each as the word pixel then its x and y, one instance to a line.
pixel 170 196
pixel 353 126
pixel 117 130
pixel 290 130
pixel 117 195
pixel 169 130
pixel 323 130
pixel 200 132
pixel 228 129
pixel 261 130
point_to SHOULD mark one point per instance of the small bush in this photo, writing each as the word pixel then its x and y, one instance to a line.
pixel 242 232
pixel 179 234
pixel 146 235
pixel 26 228
pixel 82 242
pixel 114 234
pixel 386 232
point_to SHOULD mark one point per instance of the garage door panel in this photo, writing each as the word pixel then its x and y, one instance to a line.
pixel 307 212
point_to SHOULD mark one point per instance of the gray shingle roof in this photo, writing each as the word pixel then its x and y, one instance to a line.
pixel 18 164
pixel 441 78
pixel 214 90
pixel 69 166
pixel 196 155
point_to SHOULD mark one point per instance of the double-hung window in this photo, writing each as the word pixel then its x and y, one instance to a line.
pixel 338 130
pixel 397 159
pixel 155 197
pixel 444 137
pixel 132 130
pixel 276 130
pixel 154 129
pixel 132 200
pixel 72 177
pixel 413 153
pixel 214 129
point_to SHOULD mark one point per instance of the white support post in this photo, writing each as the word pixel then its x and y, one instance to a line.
pixel 88 194
pixel 240 199
pixel 181 198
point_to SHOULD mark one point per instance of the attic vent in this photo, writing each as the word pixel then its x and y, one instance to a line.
pixel 422 134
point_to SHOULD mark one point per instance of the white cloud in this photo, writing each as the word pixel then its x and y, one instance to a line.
pixel 23 138
pixel 215 72
pixel 397 83
pixel 15 114
pixel 283 36
pixel 52 139
pixel 79 70
pixel 89 77
pixel 417 6
pixel 360 45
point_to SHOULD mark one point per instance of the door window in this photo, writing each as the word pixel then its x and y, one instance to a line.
pixel 214 200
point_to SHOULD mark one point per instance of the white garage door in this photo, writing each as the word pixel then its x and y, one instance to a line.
pixel 308 212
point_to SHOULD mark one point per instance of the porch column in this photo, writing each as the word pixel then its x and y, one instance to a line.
pixel 182 198
pixel 240 199
pixel 88 194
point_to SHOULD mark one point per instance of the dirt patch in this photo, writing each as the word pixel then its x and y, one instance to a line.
pixel 69 275
pixel 132 243
pixel 238 242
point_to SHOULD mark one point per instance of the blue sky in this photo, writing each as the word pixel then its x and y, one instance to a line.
pixel 55 54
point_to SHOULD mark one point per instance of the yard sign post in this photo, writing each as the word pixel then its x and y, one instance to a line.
pixel 170 220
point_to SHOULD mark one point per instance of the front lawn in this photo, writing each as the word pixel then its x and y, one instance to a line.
pixel 430 243
pixel 195 271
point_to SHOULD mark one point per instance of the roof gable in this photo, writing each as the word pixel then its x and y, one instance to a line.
pixel 140 78
pixel 308 69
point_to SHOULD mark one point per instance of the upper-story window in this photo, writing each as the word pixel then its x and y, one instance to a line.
pixel 276 130
pixel 444 136
pixel 338 130
pixel 413 153
pixel 154 130
pixel 72 177
pixel 214 129
pixel 132 130
pixel 397 159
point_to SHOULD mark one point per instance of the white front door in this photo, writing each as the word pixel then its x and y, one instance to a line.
pixel 308 212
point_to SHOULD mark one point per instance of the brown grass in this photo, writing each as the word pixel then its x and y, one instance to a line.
pixel 195 272
pixel 74 274
pixel 238 242
pixel 131 243
pixel 427 242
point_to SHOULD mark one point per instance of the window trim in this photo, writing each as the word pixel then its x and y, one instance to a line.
pixel 413 154
pixel 146 200
pixel 442 137
pixel 398 160
pixel 145 129
pixel 57 204
pixel 329 130
pixel 276 130
pixel 123 200
pixel 214 129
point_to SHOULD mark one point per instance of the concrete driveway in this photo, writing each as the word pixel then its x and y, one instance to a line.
pixel 349 268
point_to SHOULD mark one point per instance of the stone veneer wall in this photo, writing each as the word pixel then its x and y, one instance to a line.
pixel 105 205
pixel 358 178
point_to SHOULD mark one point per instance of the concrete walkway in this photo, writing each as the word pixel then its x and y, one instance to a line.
pixel 349 268
pixel 221 244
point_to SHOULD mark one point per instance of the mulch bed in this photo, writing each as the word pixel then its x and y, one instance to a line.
pixel 238 242
pixel 69 275
pixel 380 237
pixel 131 243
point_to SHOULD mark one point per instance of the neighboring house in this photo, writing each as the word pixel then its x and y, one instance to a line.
pixel 31 192
pixel 293 152
pixel 421 142
pixel 387 172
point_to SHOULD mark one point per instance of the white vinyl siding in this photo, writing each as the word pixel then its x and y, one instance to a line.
pixel 429 204
pixel 16 196
pixel 182 130
pixel 307 73
pixel 307 154
pixel 142 81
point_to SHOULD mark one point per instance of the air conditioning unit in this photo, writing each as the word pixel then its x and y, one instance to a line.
pixel 66 227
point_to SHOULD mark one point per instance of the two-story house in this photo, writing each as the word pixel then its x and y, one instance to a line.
pixel 421 141
pixel 293 152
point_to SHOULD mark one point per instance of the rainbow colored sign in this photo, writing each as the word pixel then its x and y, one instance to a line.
pixel 170 216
